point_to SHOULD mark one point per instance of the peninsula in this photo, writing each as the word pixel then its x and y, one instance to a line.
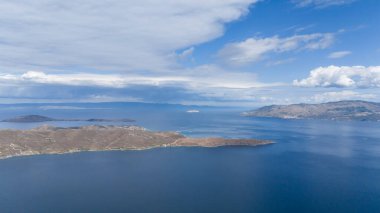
pixel 341 110
pixel 56 140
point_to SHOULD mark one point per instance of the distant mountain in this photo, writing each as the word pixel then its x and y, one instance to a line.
pixel 108 120
pixel 29 118
pixel 40 118
pixel 341 110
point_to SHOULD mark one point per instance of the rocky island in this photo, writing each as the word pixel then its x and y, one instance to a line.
pixel 56 140
pixel 341 110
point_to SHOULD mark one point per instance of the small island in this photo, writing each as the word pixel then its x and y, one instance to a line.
pixel 57 140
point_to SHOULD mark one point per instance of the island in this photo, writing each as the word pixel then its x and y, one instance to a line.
pixel 40 118
pixel 341 110
pixel 56 140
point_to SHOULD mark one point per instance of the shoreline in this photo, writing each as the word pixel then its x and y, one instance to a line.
pixel 124 150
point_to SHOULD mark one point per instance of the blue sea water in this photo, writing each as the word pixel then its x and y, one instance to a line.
pixel 314 166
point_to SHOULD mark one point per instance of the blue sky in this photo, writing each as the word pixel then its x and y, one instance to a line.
pixel 233 52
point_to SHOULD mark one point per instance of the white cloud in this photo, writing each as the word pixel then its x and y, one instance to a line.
pixel 344 76
pixel 320 3
pixel 85 79
pixel 254 49
pixel 113 34
pixel 341 95
pixel 206 76
pixel 339 54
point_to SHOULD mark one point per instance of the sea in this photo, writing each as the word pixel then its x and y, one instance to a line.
pixel 313 166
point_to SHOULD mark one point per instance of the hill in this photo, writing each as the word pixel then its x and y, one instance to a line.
pixel 341 110
pixel 29 119
pixel 55 140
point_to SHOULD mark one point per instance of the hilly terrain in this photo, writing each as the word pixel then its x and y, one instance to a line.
pixel 341 110
pixel 56 140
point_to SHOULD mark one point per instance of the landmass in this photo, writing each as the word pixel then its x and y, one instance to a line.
pixel 56 140
pixel 40 118
pixel 341 110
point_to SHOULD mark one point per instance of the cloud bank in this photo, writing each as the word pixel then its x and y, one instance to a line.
pixel 344 76
pixel 206 76
pixel 113 34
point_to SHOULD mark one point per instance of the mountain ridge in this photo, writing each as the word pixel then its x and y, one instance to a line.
pixel 339 110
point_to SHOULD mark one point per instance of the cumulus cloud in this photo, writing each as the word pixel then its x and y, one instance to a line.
pixel 254 49
pixel 113 34
pixel 339 54
pixel 344 76
pixel 320 3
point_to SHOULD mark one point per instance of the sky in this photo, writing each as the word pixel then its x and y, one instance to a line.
pixel 209 52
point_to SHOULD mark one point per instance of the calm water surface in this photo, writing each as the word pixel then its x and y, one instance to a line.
pixel 315 166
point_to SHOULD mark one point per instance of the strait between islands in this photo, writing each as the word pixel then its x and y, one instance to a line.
pixel 56 140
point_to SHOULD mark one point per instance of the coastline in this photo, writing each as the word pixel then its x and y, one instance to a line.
pixel 137 149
